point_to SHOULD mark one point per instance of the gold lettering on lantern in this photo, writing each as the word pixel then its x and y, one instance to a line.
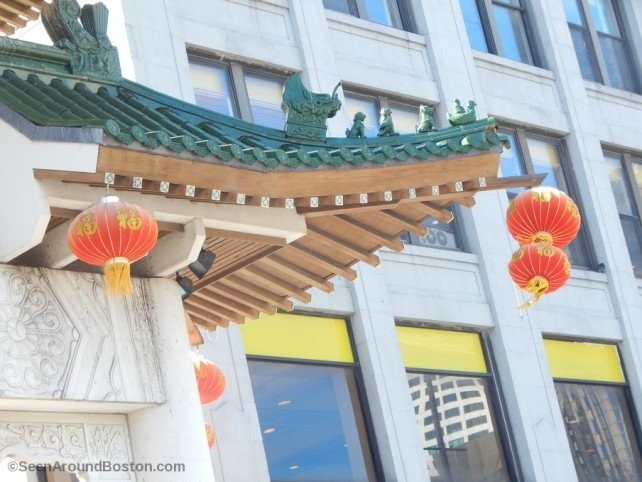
pixel 86 225
pixel 542 195
pixel 572 208
pixel 129 219
pixel 511 208
pixel 567 267
pixel 545 249
pixel 517 255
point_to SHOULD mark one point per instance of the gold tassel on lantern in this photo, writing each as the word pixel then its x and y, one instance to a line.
pixel 117 276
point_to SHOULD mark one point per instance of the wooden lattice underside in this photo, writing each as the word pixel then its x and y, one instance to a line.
pixel 15 14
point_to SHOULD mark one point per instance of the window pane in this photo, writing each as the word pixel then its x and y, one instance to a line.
pixel 212 87
pixel 311 422
pixel 343 6
pixel 633 235
pixel 619 186
pixel 474 25
pixel 404 116
pixel 511 164
pixel 603 16
pixel 618 63
pixel 512 34
pixel 637 173
pixel 367 105
pixel 546 159
pixel 585 54
pixel 573 12
pixel 600 432
pixel 265 100
pixel 382 11
pixel 459 434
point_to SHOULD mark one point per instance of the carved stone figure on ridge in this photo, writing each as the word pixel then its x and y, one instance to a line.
pixel 306 112
pixel 358 129
pixel 462 116
pixel 426 122
pixel 386 126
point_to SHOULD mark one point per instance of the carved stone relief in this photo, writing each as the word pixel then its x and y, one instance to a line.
pixel 62 338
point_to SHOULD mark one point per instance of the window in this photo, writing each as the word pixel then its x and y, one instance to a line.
pixel 594 401
pixel 602 49
pixel 394 13
pixel 459 443
pixel 500 27
pixel 625 174
pixel 307 397
pixel 532 153
pixel 236 90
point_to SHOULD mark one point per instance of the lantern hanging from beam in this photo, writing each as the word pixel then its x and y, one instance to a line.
pixel 209 378
pixel 539 268
pixel 113 234
pixel 211 435
pixel 543 214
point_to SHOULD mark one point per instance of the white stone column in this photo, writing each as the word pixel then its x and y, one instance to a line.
pixel 172 432
pixel 393 416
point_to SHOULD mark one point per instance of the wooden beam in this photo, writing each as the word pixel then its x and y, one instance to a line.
pixel 20 9
pixel 205 303
pixel 219 289
pixel 11 18
pixel 436 212
pixel 253 289
pixel 529 180
pixel 195 337
pixel 379 237
pixel 257 238
pixel 240 308
pixel 7 28
pixel 205 318
pixel 468 202
pixel 323 261
pixel 407 223
pixel 342 245
pixel 298 272
pixel 279 284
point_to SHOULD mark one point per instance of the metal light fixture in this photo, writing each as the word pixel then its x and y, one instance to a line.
pixel 203 263
pixel 185 285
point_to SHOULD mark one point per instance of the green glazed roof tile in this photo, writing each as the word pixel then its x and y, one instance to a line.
pixel 132 114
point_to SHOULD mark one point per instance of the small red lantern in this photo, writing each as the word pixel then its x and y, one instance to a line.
pixel 543 214
pixel 539 268
pixel 113 234
pixel 211 436
pixel 210 379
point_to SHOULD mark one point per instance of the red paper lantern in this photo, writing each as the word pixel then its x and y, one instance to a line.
pixel 543 214
pixel 113 234
pixel 211 436
pixel 210 379
pixel 539 268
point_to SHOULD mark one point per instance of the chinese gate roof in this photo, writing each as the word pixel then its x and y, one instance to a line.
pixel 356 194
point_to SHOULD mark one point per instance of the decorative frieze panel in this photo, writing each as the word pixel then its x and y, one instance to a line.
pixel 62 338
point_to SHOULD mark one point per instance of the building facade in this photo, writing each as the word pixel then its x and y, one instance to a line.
pixel 509 394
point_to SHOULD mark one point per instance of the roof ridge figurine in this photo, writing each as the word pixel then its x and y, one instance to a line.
pixel 358 129
pixel 306 112
pixel 386 126
pixel 462 116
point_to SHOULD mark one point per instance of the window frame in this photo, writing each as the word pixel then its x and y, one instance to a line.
pixel 628 396
pixel 360 385
pixel 521 135
pixel 404 11
pixel 627 159
pixel 491 31
pixel 496 395
pixel 596 53
pixel 236 71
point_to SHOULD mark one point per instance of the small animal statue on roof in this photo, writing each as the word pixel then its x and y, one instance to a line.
pixel 386 126
pixel 358 129
pixel 462 116
pixel 426 122
pixel 306 112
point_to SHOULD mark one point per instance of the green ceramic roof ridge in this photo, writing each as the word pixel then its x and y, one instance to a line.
pixel 35 84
